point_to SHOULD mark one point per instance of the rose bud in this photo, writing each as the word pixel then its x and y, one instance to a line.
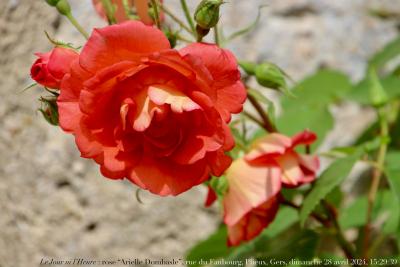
pixel 269 75
pixel 52 2
pixel 207 13
pixel 49 109
pixel 49 69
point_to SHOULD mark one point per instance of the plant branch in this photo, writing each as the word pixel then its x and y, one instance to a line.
pixel 267 124
pixel 216 36
pixel 176 19
pixel 344 244
pixel 154 4
pixel 253 118
pixel 324 221
pixel 109 8
pixel 376 177
pixel 77 25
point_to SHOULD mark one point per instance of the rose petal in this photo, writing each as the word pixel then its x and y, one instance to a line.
pixel 130 40
pixel 249 186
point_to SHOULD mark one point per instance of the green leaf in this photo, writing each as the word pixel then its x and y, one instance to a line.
pixel 309 108
pixel 328 180
pixel 390 51
pixel 318 90
pixel 314 118
pixel 360 92
pixel 355 214
pixel 214 247
pixel 393 176
pixel 300 244
pixel 394 181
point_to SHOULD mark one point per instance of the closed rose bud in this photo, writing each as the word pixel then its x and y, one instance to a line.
pixel 207 13
pixel 49 69
pixel 63 7
pixel 52 2
pixel 49 109
pixel 271 76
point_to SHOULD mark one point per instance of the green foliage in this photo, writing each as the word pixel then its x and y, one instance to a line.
pixel 318 120
pixel 360 92
pixel 355 214
pixel 328 180
pixel 215 246
pixel 319 89
pixel 219 185
pixel 393 174
pixel 309 109
pixel 390 51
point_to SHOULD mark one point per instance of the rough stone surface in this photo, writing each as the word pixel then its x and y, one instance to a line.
pixel 54 204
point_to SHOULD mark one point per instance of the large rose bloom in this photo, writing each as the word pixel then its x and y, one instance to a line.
pixel 255 181
pixel 154 115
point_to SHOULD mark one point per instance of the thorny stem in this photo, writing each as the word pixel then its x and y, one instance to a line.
pixel 344 244
pixel 187 15
pixel 156 13
pixel 176 19
pixel 267 124
pixel 77 25
pixel 376 177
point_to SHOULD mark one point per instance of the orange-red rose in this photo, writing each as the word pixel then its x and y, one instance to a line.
pixel 255 181
pixel 154 115
pixel 50 67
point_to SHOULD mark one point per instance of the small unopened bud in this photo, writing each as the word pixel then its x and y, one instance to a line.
pixel 377 93
pixel 172 37
pixel 49 109
pixel 52 2
pixel 63 7
pixel 271 76
pixel 207 13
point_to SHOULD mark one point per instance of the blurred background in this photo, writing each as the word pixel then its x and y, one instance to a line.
pixel 53 204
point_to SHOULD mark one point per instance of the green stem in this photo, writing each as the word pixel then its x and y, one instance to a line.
pixel 127 9
pixel 176 19
pixel 376 177
pixel 156 13
pixel 109 8
pixel 344 244
pixel 181 38
pixel 267 123
pixel 216 36
pixel 77 25
pixel 253 118
pixel 187 15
